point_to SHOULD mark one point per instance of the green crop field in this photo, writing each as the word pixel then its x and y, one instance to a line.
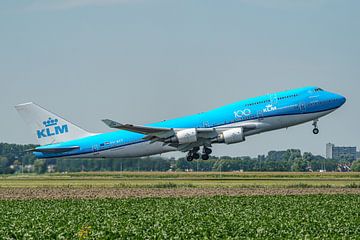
pixel 158 205
pixel 265 217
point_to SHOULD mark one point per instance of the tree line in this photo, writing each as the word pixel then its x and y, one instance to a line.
pixel 14 159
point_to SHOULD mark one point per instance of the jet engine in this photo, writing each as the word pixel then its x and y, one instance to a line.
pixel 234 135
pixel 185 136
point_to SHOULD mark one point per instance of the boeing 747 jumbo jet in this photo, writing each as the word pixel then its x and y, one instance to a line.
pixel 228 124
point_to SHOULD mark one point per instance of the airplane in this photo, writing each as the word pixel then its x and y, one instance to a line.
pixel 229 124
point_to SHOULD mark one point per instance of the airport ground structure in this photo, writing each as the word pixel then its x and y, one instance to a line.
pixel 14 160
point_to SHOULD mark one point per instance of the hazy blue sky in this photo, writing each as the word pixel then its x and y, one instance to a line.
pixel 139 61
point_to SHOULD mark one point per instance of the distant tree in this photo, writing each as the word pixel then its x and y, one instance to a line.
pixel 182 165
pixel 14 155
pixel 219 165
pixel 39 166
pixel 355 166
pixel 308 156
pixel 299 165
pixel 17 165
pixel 294 154
pixel 4 164
pixel 278 156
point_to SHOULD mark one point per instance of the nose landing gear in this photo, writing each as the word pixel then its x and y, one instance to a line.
pixel 316 129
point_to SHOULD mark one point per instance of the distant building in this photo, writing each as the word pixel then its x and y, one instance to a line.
pixel 346 153
pixel 357 155
pixel 329 150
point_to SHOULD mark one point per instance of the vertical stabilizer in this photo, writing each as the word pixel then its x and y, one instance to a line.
pixel 48 127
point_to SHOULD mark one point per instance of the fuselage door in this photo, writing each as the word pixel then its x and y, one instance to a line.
pixel 95 148
pixel 260 115
pixel 206 124
pixel 273 99
pixel 302 107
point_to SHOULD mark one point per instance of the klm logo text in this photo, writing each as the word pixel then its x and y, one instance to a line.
pixel 269 108
pixel 52 128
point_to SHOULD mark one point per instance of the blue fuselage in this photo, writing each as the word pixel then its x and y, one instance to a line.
pixel 272 109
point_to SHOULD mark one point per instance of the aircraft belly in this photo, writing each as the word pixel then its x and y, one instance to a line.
pixel 293 120
pixel 279 122
pixel 137 150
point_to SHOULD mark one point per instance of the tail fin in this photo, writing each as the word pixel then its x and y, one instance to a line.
pixel 48 127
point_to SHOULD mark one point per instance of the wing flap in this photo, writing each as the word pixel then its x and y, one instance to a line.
pixel 134 128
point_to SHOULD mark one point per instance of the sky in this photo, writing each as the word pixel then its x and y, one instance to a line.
pixel 142 61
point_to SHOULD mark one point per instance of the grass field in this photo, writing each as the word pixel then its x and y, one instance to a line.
pixel 195 180
pixel 128 205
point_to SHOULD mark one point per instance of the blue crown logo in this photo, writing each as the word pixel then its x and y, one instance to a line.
pixel 50 122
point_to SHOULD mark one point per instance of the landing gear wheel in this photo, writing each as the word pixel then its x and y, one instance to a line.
pixel 316 131
pixel 207 151
pixel 189 158
pixel 204 157
pixel 196 156
pixel 315 124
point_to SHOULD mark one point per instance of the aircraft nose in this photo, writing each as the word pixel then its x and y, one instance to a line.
pixel 340 99
pixel 343 99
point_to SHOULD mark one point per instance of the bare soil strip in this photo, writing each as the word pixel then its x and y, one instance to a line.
pixel 119 193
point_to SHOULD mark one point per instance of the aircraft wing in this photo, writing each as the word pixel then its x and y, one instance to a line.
pixel 156 134
pixel 205 136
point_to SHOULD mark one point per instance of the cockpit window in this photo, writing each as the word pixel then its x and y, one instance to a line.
pixel 318 90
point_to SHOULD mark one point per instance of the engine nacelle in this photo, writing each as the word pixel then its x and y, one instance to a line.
pixel 186 136
pixel 231 136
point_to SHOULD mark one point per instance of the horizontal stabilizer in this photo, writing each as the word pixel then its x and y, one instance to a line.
pixel 54 150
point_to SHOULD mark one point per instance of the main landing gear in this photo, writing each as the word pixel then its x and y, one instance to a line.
pixel 194 154
pixel 316 129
